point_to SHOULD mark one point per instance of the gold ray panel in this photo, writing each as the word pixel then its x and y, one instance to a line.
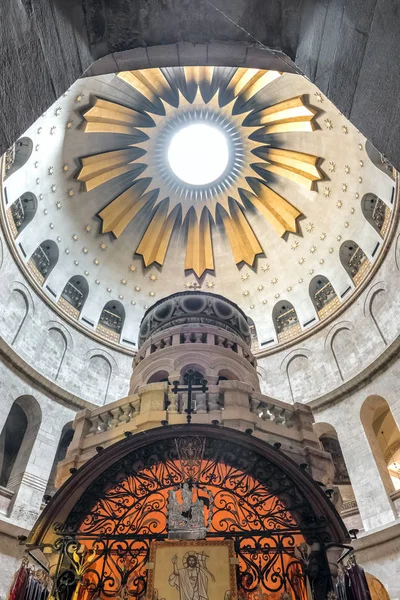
pixel 199 252
pixel 290 115
pixel 170 198
pixel 244 244
pixel 279 212
pixel 120 212
pixel 110 117
pixel 201 77
pixel 246 83
pixel 154 244
pixel 151 83
pixel 100 168
pixel 297 166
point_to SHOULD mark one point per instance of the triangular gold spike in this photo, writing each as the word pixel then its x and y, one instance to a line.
pixel 103 111
pixel 249 85
pixel 290 115
pixel 199 252
pixel 297 166
pixel 279 212
pixel 242 239
pixel 154 244
pixel 99 168
pixel 117 215
pixel 151 83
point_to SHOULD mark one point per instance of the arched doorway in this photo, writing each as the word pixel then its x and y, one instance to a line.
pixel 187 487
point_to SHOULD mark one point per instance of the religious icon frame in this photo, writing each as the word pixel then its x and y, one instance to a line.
pixel 162 553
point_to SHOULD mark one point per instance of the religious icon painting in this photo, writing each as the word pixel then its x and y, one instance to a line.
pixel 198 570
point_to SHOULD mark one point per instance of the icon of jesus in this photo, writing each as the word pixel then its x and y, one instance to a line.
pixel 192 580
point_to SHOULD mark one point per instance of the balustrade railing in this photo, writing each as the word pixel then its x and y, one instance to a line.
pixel 110 417
pixel 113 417
pixel 268 411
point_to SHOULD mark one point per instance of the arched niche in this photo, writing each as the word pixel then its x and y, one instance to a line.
pixel 17 439
pixel 384 439
pixel 376 212
pixel 18 307
pixel 43 260
pixel 285 320
pixel 300 374
pixel 323 296
pixel 136 488
pixel 97 377
pixel 21 212
pixel 158 377
pixel 17 155
pixel 74 295
pixel 341 343
pixel 111 320
pixel 226 375
pixel 354 260
pixel 53 351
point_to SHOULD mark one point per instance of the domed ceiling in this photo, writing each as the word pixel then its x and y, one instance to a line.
pixel 242 182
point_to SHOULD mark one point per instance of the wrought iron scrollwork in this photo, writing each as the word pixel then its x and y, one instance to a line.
pixel 254 503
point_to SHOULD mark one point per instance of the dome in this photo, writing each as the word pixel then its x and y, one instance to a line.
pixel 289 227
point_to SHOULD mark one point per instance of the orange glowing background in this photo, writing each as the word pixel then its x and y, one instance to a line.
pixel 115 537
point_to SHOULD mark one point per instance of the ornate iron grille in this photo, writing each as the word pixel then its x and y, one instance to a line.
pixel 105 543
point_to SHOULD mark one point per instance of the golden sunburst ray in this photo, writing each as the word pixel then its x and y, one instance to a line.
pixel 199 252
pixel 280 213
pixel 117 215
pixel 154 244
pixel 242 239
pixel 100 168
pixel 190 95
pixel 290 115
pixel 297 166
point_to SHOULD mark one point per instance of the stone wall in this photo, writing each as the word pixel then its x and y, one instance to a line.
pixel 22 500
pixel 65 361
pixel 339 355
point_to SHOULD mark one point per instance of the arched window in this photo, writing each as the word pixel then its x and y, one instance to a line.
pixel 112 320
pixel 21 212
pixel 43 260
pixel 17 439
pixel 384 438
pixel 10 441
pixel 254 337
pixel 18 154
pixel 197 378
pixel 286 322
pixel 74 295
pixel 354 260
pixel 377 213
pixel 323 296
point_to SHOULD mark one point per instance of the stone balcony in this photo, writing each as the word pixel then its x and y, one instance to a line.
pixel 230 404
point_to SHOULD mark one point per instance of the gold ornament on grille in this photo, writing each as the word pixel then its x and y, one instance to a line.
pixel 200 94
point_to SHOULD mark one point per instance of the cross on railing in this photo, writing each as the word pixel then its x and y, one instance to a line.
pixel 189 388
